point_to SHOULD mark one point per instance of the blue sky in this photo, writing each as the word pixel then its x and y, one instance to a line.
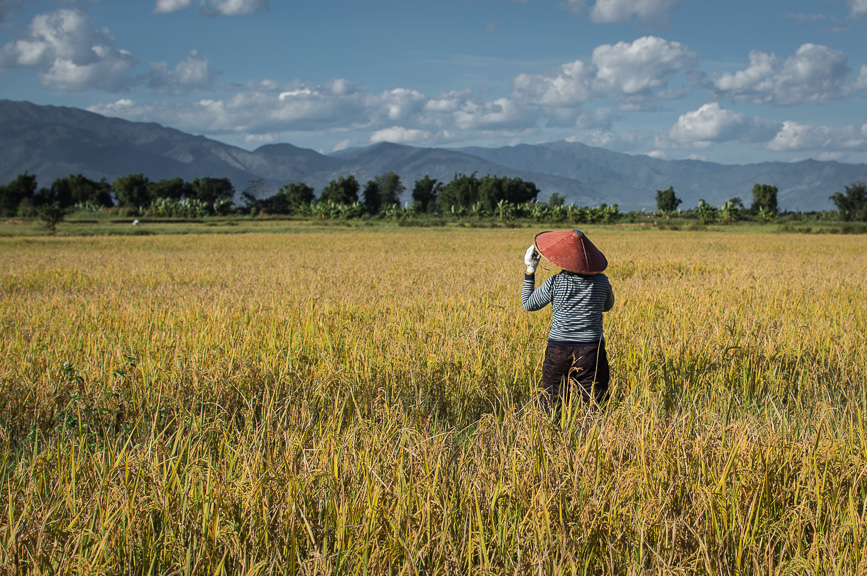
pixel 730 82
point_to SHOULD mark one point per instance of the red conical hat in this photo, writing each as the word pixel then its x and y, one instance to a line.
pixel 571 250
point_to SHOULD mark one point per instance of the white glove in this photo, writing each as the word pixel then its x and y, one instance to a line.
pixel 531 259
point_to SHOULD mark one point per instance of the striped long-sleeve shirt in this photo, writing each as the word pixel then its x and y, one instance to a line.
pixel 578 302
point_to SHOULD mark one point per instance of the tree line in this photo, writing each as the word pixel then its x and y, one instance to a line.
pixel 464 195
pixel 851 204
pixel 22 198
pixel 176 197
pixel 383 192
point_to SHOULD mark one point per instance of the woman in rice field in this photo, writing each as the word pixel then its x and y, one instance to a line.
pixel 575 356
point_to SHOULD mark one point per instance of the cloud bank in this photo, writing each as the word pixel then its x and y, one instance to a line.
pixel 582 98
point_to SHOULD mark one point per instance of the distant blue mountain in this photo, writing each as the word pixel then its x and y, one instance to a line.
pixel 53 142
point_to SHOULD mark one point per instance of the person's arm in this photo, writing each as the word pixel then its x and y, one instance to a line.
pixel 532 300
pixel 527 290
pixel 609 299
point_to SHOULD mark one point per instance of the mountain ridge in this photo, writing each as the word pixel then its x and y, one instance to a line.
pixel 55 141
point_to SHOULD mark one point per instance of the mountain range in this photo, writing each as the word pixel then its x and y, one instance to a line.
pixel 53 142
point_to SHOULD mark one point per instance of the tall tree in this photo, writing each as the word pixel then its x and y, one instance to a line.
pixel 21 188
pixel 344 190
pixel 287 200
pixel 390 188
pixel 764 198
pixel 425 193
pixel 853 204
pixel 493 189
pixel 76 188
pixel 667 200
pixel 385 189
pixel 253 196
pixel 463 190
pixel 174 188
pixel 210 190
pixel 132 190
pixel 556 200
pixel 298 194
pixel 371 196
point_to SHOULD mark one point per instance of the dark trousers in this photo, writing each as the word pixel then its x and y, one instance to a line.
pixel 583 369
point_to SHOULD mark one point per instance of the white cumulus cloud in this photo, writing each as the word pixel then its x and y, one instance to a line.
pixel 166 6
pixel 757 76
pixel 814 74
pixel 569 85
pixel 221 7
pixel 796 136
pixel 857 7
pixel 261 139
pixel 236 7
pixel 69 54
pixel 640 66
pixel 500 113
pixel 400 135
pixel 400 103
pixel 597 119
pixel 712 123
pixel 623 71
pixel 446 102
pixel 617 11
pixel 192 73
pixel 860 85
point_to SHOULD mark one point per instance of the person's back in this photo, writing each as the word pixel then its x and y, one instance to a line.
pixel 578 301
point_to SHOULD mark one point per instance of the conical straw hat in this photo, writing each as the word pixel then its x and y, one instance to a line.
pixel 571 250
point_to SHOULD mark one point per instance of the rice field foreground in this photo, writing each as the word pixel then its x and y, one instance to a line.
pixel 364 402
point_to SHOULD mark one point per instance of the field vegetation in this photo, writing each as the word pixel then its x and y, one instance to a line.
pixel 466 199
pixel 334 400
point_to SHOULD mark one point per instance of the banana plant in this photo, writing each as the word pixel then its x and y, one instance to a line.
pixel 728 213
pixel 764 216
pixel 505 210
pixel 707 213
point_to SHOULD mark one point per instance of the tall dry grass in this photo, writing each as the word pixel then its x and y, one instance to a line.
pixel 347 402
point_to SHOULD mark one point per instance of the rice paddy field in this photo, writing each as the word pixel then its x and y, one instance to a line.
pixel 365 401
